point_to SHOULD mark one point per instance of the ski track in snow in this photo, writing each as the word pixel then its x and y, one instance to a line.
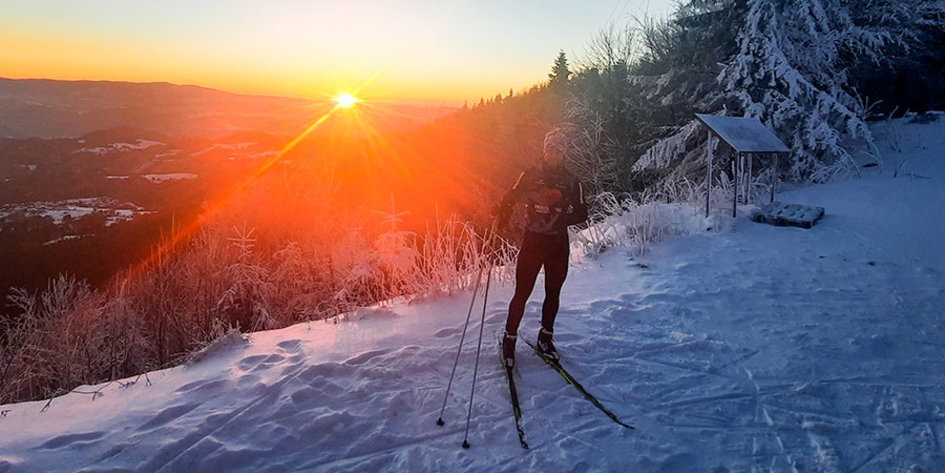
pixel 762 349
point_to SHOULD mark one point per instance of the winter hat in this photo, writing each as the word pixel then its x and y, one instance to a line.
pixel 556 139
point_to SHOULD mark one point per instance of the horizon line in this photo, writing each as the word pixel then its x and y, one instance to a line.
pixel 417 102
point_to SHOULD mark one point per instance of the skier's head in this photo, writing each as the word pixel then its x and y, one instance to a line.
pixel 555 148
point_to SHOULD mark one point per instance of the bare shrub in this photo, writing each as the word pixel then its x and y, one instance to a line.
pixel 623 221
pixel 57 341
pixel 217 282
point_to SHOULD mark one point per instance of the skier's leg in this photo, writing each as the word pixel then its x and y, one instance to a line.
pixel 556 270
pixel 526 272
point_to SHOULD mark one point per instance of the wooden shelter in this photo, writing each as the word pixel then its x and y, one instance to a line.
pixel 749 138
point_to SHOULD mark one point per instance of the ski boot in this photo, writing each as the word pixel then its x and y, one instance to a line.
pixel 546 346
pixel 508 350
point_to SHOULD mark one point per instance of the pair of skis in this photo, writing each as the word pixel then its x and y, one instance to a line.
pixel 556 365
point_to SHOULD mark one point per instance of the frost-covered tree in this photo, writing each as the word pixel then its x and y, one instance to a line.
pixel 600 110
pixel 298 283
pixel 592 154
pixel 791 70
pixel 245 301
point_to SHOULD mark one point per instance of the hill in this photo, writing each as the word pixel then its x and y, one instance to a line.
pixel 42 108
pixel 79 153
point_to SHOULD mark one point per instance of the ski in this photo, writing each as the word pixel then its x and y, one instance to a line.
pixel 573 382
pixel 516 409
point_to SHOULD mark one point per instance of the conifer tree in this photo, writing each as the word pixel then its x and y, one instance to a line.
pixel 790 68
pixel 560 73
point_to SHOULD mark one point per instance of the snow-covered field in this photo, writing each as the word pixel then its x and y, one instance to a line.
pixel 160 178
pixel 74 209
pixel 118 147
pixel 754 349
pixel 176 176
pixel 225 147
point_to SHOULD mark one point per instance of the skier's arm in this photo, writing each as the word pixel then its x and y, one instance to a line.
pixel 508 202
pixel 578 210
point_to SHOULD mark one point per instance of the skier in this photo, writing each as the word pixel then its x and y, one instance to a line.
pixel 553 200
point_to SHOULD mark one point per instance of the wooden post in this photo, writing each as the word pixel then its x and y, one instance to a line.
pixel 751 159
pixel 708 177
pixel 774 176
pixel 735 185
pixel 741 176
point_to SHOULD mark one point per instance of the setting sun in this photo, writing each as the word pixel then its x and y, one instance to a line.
pixel 346 100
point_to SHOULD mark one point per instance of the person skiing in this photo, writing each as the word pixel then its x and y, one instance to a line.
pixel 553 199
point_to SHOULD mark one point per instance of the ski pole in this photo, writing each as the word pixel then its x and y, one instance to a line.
pixel 482 323
pixel 460 349
pixel 472 303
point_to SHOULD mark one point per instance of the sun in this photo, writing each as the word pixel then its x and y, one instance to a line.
pixel 346 100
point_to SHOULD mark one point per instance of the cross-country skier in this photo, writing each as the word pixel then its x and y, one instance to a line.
pixel 553 200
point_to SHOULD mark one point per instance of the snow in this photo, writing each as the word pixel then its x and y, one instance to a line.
pixel 745 135
pixel 757 348
pixel 173 152
pixel 177 176
pixel 118 147
pixel 225 147
pixel 265 155
pixel 62 239
pixel 75 209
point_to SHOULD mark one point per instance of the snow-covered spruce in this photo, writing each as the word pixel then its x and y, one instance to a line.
pixel 791 70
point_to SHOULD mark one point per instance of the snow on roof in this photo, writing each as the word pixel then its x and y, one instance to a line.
pixel 745 135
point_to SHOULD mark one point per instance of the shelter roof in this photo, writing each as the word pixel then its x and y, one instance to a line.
pixel 745 135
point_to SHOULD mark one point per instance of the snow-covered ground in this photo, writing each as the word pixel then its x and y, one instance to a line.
pixel 160 178
pixel 74 209
pixel 754 349
pixel 176 176
pixel 117 147
pixel 225 147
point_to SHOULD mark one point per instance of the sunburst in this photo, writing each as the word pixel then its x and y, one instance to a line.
pixel 346 100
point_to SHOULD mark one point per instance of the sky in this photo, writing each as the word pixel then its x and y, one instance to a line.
pixel 430 51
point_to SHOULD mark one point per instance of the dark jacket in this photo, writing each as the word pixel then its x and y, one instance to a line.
pixel 553 198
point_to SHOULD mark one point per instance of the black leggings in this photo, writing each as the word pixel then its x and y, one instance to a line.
pixel 550 251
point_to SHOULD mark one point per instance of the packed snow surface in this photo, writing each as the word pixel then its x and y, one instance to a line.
pixel 757 348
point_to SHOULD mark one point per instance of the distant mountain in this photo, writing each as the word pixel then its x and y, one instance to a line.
pixel 92 174
pixel 44 108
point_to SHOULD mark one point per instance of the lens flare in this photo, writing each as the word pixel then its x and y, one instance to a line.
pixel 346 100
pixel 383 162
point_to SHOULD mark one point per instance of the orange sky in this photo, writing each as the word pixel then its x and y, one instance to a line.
pixel 417 50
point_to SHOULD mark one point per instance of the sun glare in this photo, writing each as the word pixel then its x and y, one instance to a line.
pixel 346 100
